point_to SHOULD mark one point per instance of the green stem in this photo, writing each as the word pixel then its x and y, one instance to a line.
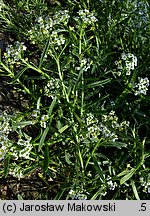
pixel 82 78
pixel 61 78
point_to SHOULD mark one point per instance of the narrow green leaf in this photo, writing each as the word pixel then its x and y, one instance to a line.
pixel 123 173
pixel 6 166
pixel 19 75
pixel 35 68
pixel 42 140
pixel 38 103
pixel 81 160
pixel 23 124
pixel 44 53
pixel 94 197
pixel 127 176
pixel 99 83
pixel 98 169
pixel 118 145
pixel 67 158
pixel 46 158
pixel 78 118
pixel 59 194
pixel 135 190
pixel 52 106
pixel 61 130
pixel 19 197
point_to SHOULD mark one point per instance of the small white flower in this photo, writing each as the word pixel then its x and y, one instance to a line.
pixel 142 86
pixel 44 118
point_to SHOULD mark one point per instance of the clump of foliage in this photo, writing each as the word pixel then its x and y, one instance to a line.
pixel 84 68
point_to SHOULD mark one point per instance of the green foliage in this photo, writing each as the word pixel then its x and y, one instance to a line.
pixel 83 66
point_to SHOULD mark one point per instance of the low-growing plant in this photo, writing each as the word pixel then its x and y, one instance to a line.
pixel 83 67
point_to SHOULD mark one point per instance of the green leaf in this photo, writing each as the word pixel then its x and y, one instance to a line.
pixel 19 197
pixel 38 103
pixel 35 68
pixel 19 75
pixel 135 190
pixel 6 166
pixel 59 194
pixel 118 145
pixel 52 106
pixel 23 124
pixel 81 160
pixel 67 158
pixel 98 169
pixel 42 140
pixel 99 83
pixel 61 130
pixel 127 176
pixel 46 158
pixel 123 173
pixel 44 53
pixel 98 193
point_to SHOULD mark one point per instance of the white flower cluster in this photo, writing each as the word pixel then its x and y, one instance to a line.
pixel 52 88
pixel 57 40
pixel 14 53
pixel 86 16
pixel 145 184
pixel 84 65
pixel 45 27
pixel 128 62
pixel 5 129
pixel 92 126
pixel 18 149
pixel 110 184
pixel 22 149
pixel 77 194
pixel 61 16
pixel 107 133
pixel 16 171
pixel 2 5
pixel 142 86
pixel 44 119
pixel 108 126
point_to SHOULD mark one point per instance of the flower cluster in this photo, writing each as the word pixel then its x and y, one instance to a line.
pixel 92 126
pixel 5 129
pixel 78 194
pixel 145 184
pixel 85 64
pixel 44 119
pixel 17 149
pixel 56 39
pixel 2 5
pixel 86 16
pixel 108 126
pixel 128 62
pixel 142 86
pixel 52 88
pixel 22 149
pixel 16 171
pixel 110 184
pixel 14 53
pixel 61 17
pixel 46 26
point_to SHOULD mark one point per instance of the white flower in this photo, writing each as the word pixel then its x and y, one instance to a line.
pixel 130 62
pixel 44 118
pixel 86 16
pixel 2 5
pixel 142 86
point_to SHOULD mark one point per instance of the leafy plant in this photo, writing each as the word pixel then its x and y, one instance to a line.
pixel 83 67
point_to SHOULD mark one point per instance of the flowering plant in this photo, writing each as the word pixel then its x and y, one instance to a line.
pixel 83 68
